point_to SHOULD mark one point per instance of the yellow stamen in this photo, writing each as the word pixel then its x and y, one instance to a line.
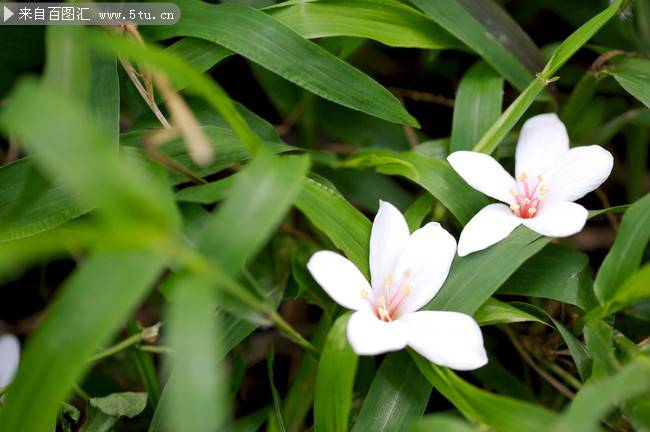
pixel 514 192
pixel 523 176
pixel 532 210
pixel 514 207
pixel 364 293
pixel 539 178
pixel 407 272
pixel 381 309
pixel 388 281
pixel 407 289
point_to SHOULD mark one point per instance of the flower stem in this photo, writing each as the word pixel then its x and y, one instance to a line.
pixel 147 333
pixel 291 333
pixel 156 349
pixel 541 372
pixel 566 376
pixel 80 392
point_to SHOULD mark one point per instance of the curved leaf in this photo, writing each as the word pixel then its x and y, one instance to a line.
pixel 557 273
pixel 397 395
pixel 625 255
pixel 500 412
pixel 107 297
pixel 434 175
pixel 487 29
pixel 334 380
pixel 348 229
pixel 386 21
pixel 475 277
pixel 274 46
pixel 477 105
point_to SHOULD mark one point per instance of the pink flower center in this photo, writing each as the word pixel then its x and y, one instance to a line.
pixel 385 305
pixel 528 196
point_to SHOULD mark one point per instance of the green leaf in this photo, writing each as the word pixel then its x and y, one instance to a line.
pixel 488 30
pixel 598 397
pixel 416 213
pixel 334 380
pixel 579 100
pixel 440 422
pixel 599 338
pixel 196 82
pixel 555 273
pixel 49 209
pixel 386 21
pixel 144 364
pixel 475 277
pixel 499 412
pixel 277 401
pixel 198 53
pixel 199 403
pixel 209 193
pixel 477 106
pixel 345 226
pixel 269 181
pixel 69 146
pixel 398 394
pixel 259 197
pixel 365 188
pixel 232 332
pixel 634 289
pixel 494 311
pixel 578 38
pixel 250 423
pixel 104 97
pixel 516 110
pixel 68 61
pixel 625 255
pixel 56 205
pixel 504 124
pixel 103 412
pixel 274 46
pixel 580 355
pixel 436 176
pixel 636 139
pixel 106 297
pixel 127 404
pixel 496 376
pixel 97 421
pixel 300 397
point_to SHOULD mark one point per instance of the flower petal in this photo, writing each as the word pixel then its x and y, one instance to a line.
pixel 9 358
pixel 424 265
pixel 542 141
pixel 450 339
pixel 483 173
pixel 490 225
pixel 387 239
pixel 578 172
pixel 341 279
pixel 368 335
pixel 558 219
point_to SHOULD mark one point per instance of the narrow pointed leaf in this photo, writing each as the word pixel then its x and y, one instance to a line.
pixel 274 46
pixel 334 380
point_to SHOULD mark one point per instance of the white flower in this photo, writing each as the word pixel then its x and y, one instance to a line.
pixel 9 357
pixel 549 177
pixel 406 272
